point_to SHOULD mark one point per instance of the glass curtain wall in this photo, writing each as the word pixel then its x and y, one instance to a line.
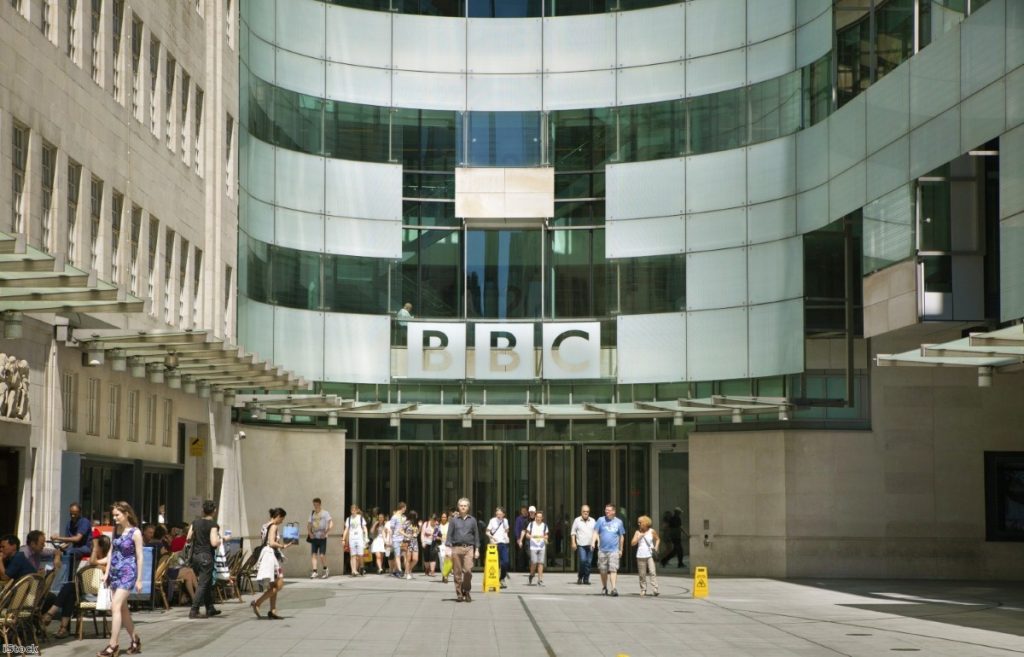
pixel 501 8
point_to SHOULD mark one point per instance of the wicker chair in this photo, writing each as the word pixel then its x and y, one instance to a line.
pixel 17 603
pixel 160 579
pixel 247 573
pixel 87 583
pixel 232 587
pixel 45 584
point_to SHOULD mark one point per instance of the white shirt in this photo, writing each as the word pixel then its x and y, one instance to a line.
pixel 498 530
pixel 536 531
pixel 645 547
pixel 583 531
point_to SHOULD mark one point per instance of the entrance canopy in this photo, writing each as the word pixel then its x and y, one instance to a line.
pixel 994 351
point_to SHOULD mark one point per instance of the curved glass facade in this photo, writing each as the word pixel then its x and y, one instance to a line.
pixel 500 8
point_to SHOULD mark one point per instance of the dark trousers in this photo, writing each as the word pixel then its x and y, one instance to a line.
pixel 584 554
pixel 503 559
pixel 202 564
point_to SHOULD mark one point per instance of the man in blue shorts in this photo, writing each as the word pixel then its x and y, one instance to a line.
pixel 609 536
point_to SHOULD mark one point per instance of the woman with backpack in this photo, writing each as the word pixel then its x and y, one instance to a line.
pixel 536 533
pixel 647 542
pixel 354 539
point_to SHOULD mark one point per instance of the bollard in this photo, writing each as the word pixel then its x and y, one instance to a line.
pixel 492 571
pixel 700 582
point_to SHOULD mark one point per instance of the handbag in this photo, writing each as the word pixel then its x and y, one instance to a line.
pixel 221 571
pixel 103 598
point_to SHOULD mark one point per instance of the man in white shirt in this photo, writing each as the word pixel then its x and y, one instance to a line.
pixel 319 526
pixel 582 533
pixel 497 533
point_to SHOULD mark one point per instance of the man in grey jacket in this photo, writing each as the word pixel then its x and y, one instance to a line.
pixel 463 544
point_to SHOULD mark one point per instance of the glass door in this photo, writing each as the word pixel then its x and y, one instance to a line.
pixel 620 475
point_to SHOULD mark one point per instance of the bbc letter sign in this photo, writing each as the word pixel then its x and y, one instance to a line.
pixel 504 351
pixel 572 350
pixel 437 350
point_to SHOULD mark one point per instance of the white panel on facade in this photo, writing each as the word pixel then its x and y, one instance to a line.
pixel 501 93
pixel 771 169
pixel 769 19
pixel 847 191
pixel 632 238
pixel 935 78
pixel 436 350
pixel 983 57
pixel 299 230
pixel 1014 35
pixel 776 270
pixel 777 338
pixel 261 169
pixel 814 40
pixel 983 116
pixel 369 238
pixel 1015 98
pixel 300 73
pixel 716 345
pixel 649 84
pixel 888 168
pixel 935 143
pixel 707 231
pixel 257 218
pixel 572 350
pixel 653 36
pixel 656 188
pixel 262 18
pixel 261 60
pixel 358 37
pixel 716 181
pixel 808 10
pixel 504 351
pixel 579 90
pixel 846 135
pixel 722 72
pixel 364 190
pixel 358 84
pixel 419 42
pixel 651 348
pixel 300 26
pixel 357 348
pixel 771 59
pixel 504 45
pixel 300 181
pixel 717 26
pixel 442 91
pixel 812 156
pixel 579 43
pixel 812 209
pixel 1011 173
pixel 716 279
pixel 256 327
pixel 888 108
pixel 771 221
pixel 299 342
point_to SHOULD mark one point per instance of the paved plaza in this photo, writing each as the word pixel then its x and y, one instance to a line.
pixel 377 616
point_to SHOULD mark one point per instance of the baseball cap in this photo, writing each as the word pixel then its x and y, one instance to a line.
pixel 532 509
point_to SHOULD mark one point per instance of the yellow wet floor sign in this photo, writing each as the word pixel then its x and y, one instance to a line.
pixel 700 582
pixel 492 571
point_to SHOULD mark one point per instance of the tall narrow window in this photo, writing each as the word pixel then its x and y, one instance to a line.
pixel 227 299
pixel 136 60
pixel 229 31
pixel 17 6
pixel 197 124
pixel 47 23
pixel 182 279
pixel 154 91
pixel 151 410
pixel 19 157
pixel 115 49
pixel 114 412
pixel 95 207
pixel 154 241
pixel 133 416
pixel 133 253
pixel 74 184
pixel 116 208
pixel 72 44
pixel 168 272
pixel 170 70
pixel 94 56
pixel 229 157
pixel 68 390
pixel 93 407
pixel 183 114
pixel 49 174
pixel 168 421
pixel 197 280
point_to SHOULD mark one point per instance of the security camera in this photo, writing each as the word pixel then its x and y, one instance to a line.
pixel 241 435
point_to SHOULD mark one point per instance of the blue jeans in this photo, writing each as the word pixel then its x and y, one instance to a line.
pixel 503 559
pixel 584 554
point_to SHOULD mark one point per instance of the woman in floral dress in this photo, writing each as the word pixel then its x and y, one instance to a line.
pixel 124 573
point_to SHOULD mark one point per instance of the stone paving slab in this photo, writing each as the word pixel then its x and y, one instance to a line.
pixel 380 616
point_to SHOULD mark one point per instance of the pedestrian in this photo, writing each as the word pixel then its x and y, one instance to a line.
pixel 205 536
pixel 463 540
pixel 268 567
pixel 317 529
pixel 609 536
pixel 674 533
pixel 443 552
pixel 536 537
pixel 124 573
pixel 497 533
pixel 646 541
pixel 396 535
pixel 582 537
pixel 524 518
pixel 411 542
pixel 354 539
pixel 427 539
pixel 377 545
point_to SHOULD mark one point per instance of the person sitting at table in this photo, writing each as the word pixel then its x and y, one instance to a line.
pixel 28 560
pixel 66 598
pixel 77 539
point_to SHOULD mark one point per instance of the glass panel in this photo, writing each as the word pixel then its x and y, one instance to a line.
pixel 576 274
pixel 356 132
pixel 651 285
pixel 503 273
pixel 652 131
pixel 716 279
pixel 889 227
pixel 504 8
pixel 255 266
pixel 581 140
pixel 424 139
pixel 431 272
pixel 504 139
pixel 356 285
pixel 424 213
pixel 894 23
pixel 579 213
pixel 296 279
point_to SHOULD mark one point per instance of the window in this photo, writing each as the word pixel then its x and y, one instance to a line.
pixel 68 390
pixel 227 299
pixel 170 70
pixel 47 19
pixel 116 49
pixel 95 54
pixel 133 416
pixel 197 123
pixel 229 31
pixel 116 207
pixel 151 420
pixel 49 174
pixel 19 160
pixel 1004 496
pixel 74 183
pixel 154 241
pixel 17 5
pixel 183 114
pixel 133 249
pixel 72 44
pixel 154 92
pixel 168 272
pixel 501 139
pixel 114 412
pixel 182 279
pixel 503 273
pixel 95 207
pixel 93 407
pixel 229 157
pixel 197 279
pixel 168 422
pixel 655 284
pixel 136 59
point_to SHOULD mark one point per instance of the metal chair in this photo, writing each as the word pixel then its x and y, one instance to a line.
pixel 160 579
pixel 87 586
pixel 18 598
pixel 42 594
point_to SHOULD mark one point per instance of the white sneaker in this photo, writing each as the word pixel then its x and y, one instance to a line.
pixel 327 573
pixel 408 576
pixel 312 574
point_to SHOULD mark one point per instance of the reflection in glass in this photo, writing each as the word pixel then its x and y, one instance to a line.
pixel 255 275
pixel 428 213
pixel 503 273
pixel 298 121
pixel 936 225
pixel 357 285
pixel 718 121
pixel 356 132
pixel 652 131
pixel 424 140
pixel 582 139
pixel 431 272
pixel 576 274
pixel 501 139
pixel 894 21
pixel 889 229
pixel 296 278
pixel 651 285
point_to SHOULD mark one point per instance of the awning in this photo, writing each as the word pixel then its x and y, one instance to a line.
pixel 994 351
